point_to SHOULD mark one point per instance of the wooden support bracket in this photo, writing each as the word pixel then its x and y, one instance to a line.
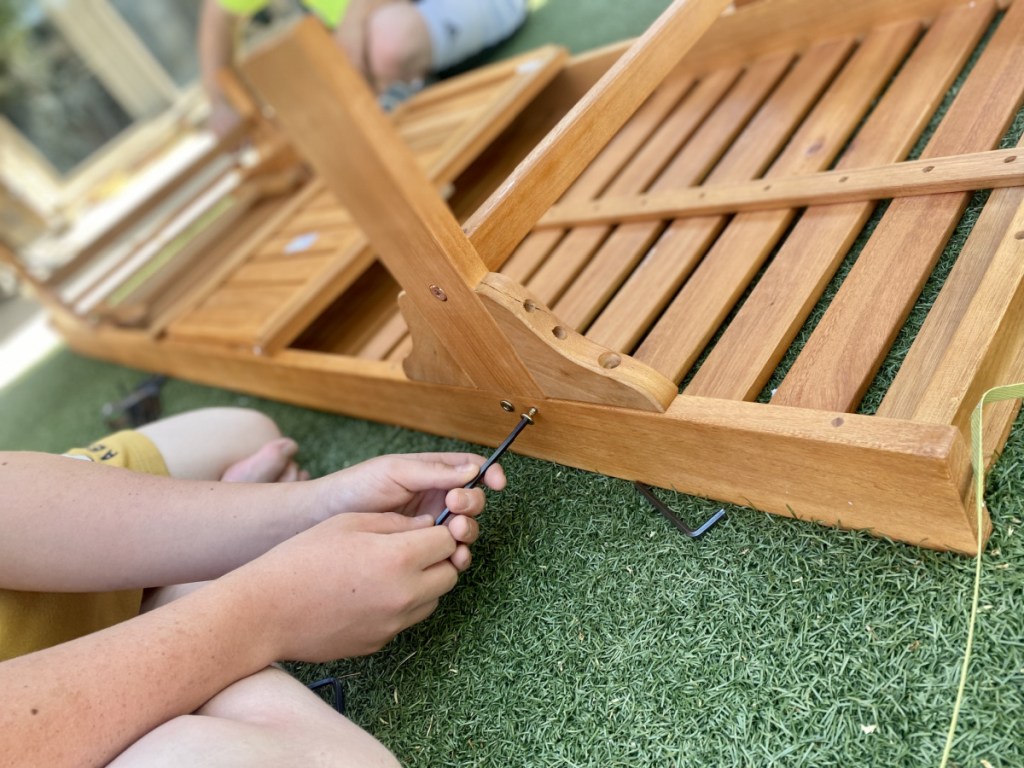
pixel 565 364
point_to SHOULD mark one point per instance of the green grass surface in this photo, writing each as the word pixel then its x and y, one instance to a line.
pixel 589 632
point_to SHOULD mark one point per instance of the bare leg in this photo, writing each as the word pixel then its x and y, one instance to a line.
pixel 268 719
pixel 235 445
pixel 204 444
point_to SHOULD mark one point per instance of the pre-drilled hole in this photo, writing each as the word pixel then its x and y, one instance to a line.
pixel 560 332
pixel 529 306
pixel 1009 159
pixel 928 169
pixel 609 360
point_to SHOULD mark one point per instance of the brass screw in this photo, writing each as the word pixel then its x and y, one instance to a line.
pixel 507 406
pixel 438 292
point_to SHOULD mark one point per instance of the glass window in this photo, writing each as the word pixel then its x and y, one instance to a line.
pixel 168 28
pixel 48 92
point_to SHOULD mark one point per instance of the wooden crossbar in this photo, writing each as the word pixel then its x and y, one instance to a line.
pixel 934 176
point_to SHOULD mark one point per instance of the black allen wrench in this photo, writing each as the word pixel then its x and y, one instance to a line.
pixel 524 422
pixel 658 504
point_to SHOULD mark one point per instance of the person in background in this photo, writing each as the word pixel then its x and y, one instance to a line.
pixel 149 583
pixel 396 44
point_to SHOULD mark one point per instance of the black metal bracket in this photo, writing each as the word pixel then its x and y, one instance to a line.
pixel 658 504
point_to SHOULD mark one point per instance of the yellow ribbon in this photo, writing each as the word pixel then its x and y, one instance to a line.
pixel 995 395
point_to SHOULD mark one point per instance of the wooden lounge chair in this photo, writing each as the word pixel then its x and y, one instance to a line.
pixel 676 252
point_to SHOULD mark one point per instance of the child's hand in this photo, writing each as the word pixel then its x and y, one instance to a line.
pixel 347 586
pixel 417 484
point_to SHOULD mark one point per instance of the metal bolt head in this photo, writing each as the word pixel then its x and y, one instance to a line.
pixel 438 292
pixel 507 406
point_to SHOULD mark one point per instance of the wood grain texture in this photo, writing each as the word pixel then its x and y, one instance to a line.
pixel 984 351
pixel 524 261
pixel 419 240
pixel 699 308
pixel 960 173
pixel 784 25
pixel 626 246
pixel 653 161
pixel 647 291
pixel 183 323
pixel 750 348
pixel 567 366
pixel 898 479
pixel 842 355
pixel 509 214
pixel 972 338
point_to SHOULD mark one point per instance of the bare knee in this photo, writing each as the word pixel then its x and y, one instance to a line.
pixel 398 45
pixel 266 735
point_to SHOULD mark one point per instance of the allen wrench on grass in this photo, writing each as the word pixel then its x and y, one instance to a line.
pixel 524 422
pixel 658 504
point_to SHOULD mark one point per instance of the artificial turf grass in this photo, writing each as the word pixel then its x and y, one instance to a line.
pixel 590 633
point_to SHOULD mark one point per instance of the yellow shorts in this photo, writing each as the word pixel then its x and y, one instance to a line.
pixel 31 621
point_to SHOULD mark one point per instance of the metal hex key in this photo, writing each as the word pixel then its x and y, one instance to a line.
pixel 524 422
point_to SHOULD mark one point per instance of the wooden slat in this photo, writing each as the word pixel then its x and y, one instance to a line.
pixel 744 357
pixel 221 272
pixel 699 308
pixel 531 72
pixel 510 213
pixel 960 173
pixel 917 376
pixel 169 304
pixel 605 167
pixel 286 322
pixel 782 25
pixel 322 219
pixel 353 318
pixel 966 345
pixel 385 340
pixel 280 271
pixel 286 244
pixel 652 285
pixel 985 348
pixel 564 263
pixel 844 352
pixel 615 260
pixel 420 242
pixel 231 315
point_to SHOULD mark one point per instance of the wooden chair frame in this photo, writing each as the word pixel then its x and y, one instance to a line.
pixel 486 329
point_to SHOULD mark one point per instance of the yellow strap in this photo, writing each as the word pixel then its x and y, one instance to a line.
pixel 1009 392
